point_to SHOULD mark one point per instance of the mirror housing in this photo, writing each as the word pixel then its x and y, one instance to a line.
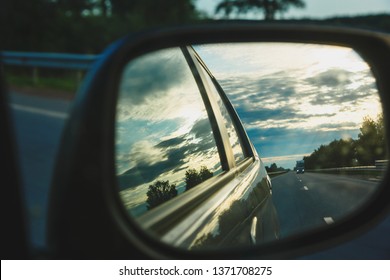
pixel 86 219
pixel 14 244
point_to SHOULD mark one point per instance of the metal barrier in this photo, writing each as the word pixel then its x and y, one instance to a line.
pixel 78 62
pixel 48 60
pixel 354 168
pixel 381 164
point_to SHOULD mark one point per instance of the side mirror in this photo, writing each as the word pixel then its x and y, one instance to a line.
pixel 174 143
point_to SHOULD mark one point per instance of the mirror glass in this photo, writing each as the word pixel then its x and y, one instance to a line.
pixel 187 172
pixel 163 132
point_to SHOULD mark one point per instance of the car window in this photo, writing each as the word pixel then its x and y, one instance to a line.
pixel 164 140
pixel 231 130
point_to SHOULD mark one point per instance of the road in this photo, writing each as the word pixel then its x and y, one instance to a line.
pixel 38 125
pixel 311 200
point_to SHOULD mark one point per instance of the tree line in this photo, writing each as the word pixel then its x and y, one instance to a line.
pixel 274 168
pixel 161 191
pixel 88 26
pixel 363 151
pixel 83 26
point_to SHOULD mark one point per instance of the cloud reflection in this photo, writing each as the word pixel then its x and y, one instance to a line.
pixel 292 98
pixel 162 127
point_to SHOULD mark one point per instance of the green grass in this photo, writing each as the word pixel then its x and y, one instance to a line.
pixel 65 83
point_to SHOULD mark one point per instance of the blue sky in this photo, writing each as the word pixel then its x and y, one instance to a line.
pixel 320 8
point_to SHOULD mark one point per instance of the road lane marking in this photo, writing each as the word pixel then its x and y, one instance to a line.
pixel 375 179
pixel 328 220
pixel 253 230
pixel 44 112
pixel 305 188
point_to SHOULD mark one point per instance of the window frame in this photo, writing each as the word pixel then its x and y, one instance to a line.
pixel 247 147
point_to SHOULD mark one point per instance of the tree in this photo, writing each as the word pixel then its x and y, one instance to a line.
pixel 193 177
pixel 122 7
pixel 74 8
pixel 273 168
pixel 269 7
pixel 204 173
pixel 152 12
pixel 104 6
pixel 24 25
pixel 371 144
pixel 338 153
pixel 160 192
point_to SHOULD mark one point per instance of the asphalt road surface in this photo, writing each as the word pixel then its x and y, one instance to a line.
pixel 311 200
pixel 38 125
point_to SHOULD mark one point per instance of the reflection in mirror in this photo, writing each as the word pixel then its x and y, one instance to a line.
pixel 312 112
pixel 164 143
pixel 314 115
pixel 233 138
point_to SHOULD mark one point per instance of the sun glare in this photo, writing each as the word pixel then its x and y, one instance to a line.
pixel 321 58
pixel 315 89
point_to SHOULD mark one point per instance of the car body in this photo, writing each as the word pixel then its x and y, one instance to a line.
pixel 237 211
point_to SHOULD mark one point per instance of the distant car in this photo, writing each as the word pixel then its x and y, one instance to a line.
pixel 300 167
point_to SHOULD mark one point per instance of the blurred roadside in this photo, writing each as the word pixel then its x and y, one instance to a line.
pixel 51 93
pixel 88 27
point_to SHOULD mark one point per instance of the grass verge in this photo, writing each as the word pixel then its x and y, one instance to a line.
pixel 67 83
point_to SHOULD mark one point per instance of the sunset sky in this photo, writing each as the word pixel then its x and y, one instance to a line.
pixel 294 97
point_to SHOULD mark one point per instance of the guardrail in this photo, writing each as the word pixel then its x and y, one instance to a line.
pixel 380 165
pixel 366 172
pixel 354 168
pixel 35 60
pixel 276 173
pixel 48 60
